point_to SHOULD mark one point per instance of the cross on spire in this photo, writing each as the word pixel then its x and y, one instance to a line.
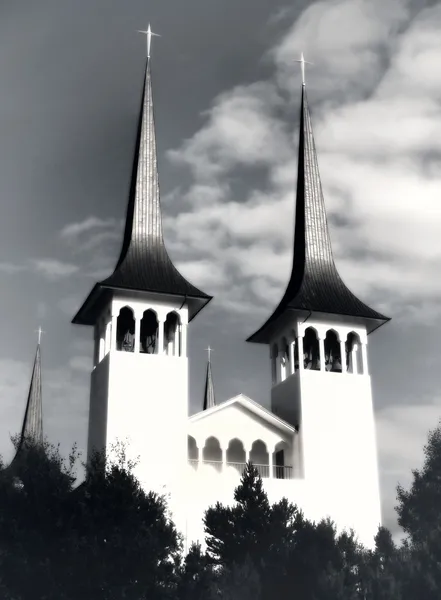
pixel 149 33
pixel 209 350
pixel 302 62
pixel 39 331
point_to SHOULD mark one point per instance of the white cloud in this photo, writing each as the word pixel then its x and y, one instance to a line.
pixel 72 231
pixel 54 269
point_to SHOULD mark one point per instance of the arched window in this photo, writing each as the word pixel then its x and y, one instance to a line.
pixel 148 343
pixel 260 458
pixel 354 360
pixel 284 360
pixel 282 461
pixel 212 451
pixel 332 352
pixel 236 455
pixel 171 334
pixel 193 452
pixel 311 350
pixel 125 330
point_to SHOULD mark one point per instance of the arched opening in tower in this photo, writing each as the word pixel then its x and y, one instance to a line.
pixel 284 360
pixel 354 358
pixel 311 350
pixel 171 334
pixel 296 353
pixel 332 352
pixel 125 330
pixel 148 343
pixel 260 458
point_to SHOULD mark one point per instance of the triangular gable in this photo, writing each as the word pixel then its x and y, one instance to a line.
pixel 249 405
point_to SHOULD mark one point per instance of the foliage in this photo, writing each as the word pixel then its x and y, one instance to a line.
pixel 419 515
pixel 292 557
pixel 106 539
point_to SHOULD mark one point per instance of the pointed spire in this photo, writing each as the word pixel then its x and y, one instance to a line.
pixel 144 264
pixel 315 284
pixel 32 428
pixel 209 398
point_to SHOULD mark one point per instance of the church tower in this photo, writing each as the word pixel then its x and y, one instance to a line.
pixel 321 384
pixel 140 315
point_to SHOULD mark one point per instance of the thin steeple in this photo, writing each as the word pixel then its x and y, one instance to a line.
pixel 209 398
pixel 144 264
pixel 32 427
pixel 315 284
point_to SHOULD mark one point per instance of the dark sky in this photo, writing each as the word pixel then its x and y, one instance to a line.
pixel 226 95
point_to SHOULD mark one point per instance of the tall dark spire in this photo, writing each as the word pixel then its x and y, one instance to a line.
pixel 209 398
pixel 32 428
pixel 315 284
pixel 144 264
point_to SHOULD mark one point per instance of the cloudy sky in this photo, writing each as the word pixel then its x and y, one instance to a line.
pixel 227 96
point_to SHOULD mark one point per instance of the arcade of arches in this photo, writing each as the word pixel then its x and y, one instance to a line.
pixel 270 464
pixel 331 354
pixel 145 335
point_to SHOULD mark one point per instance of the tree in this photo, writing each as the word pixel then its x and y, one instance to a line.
pixel 292 557
pixel 196 575
pixel 419 516
pixel 107 539
pixel 237 582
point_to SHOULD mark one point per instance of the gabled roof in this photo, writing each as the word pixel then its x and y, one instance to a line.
pixel 315 284
pixel 248 404
pixel 144 264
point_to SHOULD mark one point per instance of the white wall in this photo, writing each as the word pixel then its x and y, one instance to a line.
pixel 235 421
pixel 339 447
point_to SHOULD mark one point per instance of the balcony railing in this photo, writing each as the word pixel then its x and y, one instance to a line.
pixel 278 472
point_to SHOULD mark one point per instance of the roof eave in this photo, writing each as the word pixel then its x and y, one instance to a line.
pixel 265 334
pixel 86 315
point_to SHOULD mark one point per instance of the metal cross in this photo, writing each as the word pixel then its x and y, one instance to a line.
pixel 149 33
pixel 302 62
pixel 39 331
pixel 209 350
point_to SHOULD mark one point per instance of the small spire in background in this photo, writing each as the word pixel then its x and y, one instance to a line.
pixel 209 399
pixel 303 62
pixel 149 33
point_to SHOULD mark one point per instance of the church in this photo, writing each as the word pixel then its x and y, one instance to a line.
pixel 316 446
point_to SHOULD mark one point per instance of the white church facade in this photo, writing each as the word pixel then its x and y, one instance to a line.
pixel 316 445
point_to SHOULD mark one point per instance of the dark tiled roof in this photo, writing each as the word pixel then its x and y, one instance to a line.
pixel 315 284
pixel 144 264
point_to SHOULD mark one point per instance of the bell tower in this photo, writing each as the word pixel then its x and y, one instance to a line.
pixel 321 384
pixel 140 316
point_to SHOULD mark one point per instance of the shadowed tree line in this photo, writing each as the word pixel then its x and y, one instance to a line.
pixel 109 539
